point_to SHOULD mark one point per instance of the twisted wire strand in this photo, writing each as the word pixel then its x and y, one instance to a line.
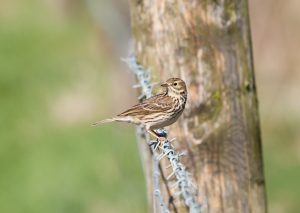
pixel 187 189
pixel 156 183
pixel 144 78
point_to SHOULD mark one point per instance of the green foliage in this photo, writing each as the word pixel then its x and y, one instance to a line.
pixel 47 166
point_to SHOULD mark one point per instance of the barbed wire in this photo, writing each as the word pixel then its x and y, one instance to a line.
pixel 156 183
pixel 187 189
pixel 144 78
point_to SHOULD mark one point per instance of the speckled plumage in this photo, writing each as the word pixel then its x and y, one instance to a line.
pixel 157 111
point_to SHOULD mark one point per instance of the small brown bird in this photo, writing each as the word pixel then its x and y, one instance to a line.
pixel 157 111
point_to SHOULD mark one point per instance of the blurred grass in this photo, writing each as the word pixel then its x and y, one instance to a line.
pixel 282 167
pixel 47 165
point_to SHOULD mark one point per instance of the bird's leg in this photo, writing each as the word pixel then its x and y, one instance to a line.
pixel 161 139
pixel 156 144
pixel 158 137
pixel 162 134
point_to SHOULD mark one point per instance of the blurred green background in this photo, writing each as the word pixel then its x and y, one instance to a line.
pixel 60 71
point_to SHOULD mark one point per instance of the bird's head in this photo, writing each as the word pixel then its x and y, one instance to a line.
pixel 175 86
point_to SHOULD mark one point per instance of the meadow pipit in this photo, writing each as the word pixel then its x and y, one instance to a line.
pixel 157 111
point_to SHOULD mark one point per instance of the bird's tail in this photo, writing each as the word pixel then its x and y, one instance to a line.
pixel 120 119
pixel 103 121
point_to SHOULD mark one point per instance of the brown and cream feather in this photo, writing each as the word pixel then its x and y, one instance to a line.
pixel 157 111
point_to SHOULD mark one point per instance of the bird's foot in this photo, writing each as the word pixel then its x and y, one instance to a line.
pixel 160 142
pixel 155 144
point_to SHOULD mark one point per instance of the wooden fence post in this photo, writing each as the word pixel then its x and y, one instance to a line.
pixel 208 44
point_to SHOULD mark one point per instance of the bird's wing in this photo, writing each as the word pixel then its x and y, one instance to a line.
pixel 155 104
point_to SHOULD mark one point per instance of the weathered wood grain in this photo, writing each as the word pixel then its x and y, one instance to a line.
pixel 208 44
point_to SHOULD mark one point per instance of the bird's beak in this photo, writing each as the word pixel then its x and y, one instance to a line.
pixel 164 85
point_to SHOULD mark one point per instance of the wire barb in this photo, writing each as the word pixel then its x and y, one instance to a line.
pixel 187 189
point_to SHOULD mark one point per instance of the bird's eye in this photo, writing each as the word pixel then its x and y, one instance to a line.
pixel 175 84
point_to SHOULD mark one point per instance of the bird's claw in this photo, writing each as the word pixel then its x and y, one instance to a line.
pixel 155 144
pixel 160 142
